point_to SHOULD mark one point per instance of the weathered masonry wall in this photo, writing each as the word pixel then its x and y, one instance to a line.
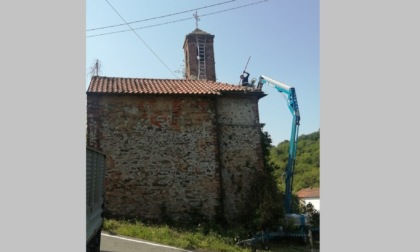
pixel 174 156
pixel 241 150
pixel 161 151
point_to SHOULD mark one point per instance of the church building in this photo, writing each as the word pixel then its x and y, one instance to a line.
pixel 176 147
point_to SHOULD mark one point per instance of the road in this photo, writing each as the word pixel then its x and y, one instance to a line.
pixel 114 243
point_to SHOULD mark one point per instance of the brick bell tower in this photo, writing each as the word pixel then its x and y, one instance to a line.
pixel 199 56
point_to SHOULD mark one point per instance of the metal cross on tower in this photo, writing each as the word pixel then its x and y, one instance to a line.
pixel 196 19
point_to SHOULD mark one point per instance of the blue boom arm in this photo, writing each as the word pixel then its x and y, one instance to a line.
pixel 294 109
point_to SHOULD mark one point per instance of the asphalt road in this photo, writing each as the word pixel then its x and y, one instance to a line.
pixel 114 243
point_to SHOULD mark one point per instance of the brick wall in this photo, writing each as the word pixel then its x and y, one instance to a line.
pixel 188 154
pixel 191 53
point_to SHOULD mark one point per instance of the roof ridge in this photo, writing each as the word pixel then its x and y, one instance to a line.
pixel 162 79
pixel 132 85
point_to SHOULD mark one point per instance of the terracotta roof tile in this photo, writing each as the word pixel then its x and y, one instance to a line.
pixel 117 85
pixel 308 193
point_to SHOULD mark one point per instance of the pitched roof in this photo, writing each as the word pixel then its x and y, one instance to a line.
pixel 116 85
pixel 308 193
pixel 199 31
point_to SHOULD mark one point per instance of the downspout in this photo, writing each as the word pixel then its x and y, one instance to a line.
pixel 221 210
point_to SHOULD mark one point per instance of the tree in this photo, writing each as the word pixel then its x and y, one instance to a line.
pixel 306 173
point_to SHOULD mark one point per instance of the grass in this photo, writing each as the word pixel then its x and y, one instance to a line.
pixel 192 238
pixel 182 238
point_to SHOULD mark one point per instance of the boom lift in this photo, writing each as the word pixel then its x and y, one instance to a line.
pixel 294 109
pixel 299 220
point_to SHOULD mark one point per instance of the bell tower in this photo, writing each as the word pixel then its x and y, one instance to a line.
pixel 199 56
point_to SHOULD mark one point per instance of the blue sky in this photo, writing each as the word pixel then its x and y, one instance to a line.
pixel 280 36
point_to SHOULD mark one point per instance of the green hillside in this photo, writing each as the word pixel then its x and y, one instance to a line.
pixel 307 162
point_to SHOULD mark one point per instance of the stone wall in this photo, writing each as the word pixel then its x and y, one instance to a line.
pixel 174 156
pixel 241 151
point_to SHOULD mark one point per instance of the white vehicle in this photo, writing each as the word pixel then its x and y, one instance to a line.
pixel 95 172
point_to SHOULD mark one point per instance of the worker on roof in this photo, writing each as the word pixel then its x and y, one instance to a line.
pixel 244 78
